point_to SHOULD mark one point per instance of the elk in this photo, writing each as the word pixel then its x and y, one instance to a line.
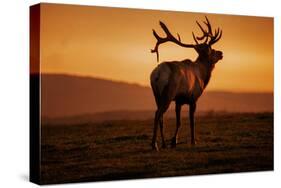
pixel 182 81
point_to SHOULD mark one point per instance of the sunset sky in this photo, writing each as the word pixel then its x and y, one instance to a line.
pixel 114 43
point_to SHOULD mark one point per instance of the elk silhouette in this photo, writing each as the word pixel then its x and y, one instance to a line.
pixel 182 81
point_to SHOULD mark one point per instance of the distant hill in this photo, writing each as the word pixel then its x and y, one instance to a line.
pixel 65 95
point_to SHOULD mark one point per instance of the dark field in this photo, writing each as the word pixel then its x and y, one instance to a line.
pixel 121 149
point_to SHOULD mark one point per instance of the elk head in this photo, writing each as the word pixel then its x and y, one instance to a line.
pixel 203 44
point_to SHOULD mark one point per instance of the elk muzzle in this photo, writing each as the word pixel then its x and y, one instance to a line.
pixel 220 55
pixel 216 56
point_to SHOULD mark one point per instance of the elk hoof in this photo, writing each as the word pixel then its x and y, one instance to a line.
pixel 174 142
pixel 155 147
pixel 193 142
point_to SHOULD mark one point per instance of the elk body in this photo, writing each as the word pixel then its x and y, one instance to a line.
pixel 182 81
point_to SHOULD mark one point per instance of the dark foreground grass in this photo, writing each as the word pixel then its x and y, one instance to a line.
pixel 121 149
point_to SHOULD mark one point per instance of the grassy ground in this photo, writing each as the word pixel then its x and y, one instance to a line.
pixel 121 149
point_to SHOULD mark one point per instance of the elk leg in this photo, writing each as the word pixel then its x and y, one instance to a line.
pixel 192 108
pixel 154 138
pixel 159 120
pixel 162 132
pixel 178 123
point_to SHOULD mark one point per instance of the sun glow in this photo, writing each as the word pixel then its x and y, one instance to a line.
pixel 115 44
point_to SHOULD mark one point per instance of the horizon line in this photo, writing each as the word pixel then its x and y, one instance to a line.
pixel 135 83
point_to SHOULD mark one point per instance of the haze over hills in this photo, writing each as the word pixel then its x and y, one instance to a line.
pixel 65 95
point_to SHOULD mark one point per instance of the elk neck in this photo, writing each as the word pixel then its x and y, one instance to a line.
pixel 206 67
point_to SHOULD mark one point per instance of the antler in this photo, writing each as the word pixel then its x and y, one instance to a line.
pixel 169 37
pixel 209 33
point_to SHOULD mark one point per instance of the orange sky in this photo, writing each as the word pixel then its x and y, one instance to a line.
pixel 115 44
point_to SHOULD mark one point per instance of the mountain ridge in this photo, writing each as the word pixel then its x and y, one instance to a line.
pixel 71 95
